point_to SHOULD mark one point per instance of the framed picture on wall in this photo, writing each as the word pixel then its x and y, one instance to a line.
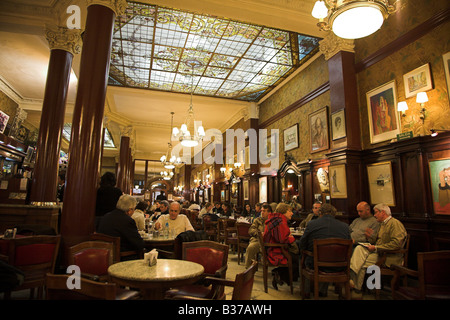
pixel 3 121
pixel 222 195
pixel 440 185
pixel 318 130
pixel 263 189
pixel 381 184
pixel 446 58
pixel 384 120
pixel 291 138
pixel 338 129
pixel 338 181
pixel 417 80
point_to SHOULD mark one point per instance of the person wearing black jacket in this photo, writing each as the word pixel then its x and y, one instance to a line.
pixel 118 223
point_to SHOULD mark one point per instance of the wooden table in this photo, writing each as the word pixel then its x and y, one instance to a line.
pixel 159 242
pixel 154 281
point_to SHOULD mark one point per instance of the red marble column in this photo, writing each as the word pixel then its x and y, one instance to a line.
pixel 122 172
pixel 63 43
pixel 78 213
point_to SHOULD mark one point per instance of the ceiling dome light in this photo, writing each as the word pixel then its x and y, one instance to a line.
pixel 352 19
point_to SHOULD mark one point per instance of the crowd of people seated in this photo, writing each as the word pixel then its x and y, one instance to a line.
pixel 369 232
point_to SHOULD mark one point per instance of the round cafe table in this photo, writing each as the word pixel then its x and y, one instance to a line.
pixel 154 281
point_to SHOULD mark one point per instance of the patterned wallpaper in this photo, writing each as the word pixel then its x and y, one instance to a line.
pixel 303 83
pixel 427 49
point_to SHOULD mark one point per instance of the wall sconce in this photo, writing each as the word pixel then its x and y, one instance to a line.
pixel 434 132
pixel 402 106
pixel 422 98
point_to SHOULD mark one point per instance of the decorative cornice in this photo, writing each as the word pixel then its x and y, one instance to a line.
pixel 63 38
pixel 332 44
pixel 118 6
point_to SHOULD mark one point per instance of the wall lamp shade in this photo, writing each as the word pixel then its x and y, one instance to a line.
pixel 421 97
pixel 402 106
pixel 351 19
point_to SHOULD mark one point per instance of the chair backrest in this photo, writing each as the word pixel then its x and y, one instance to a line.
pixel 406 249
pixel 93 257
pixel 263 248
pixel 211 255
pixel 433 268
pixel 34 252
pixel 107 238
pixel 56 286
pixel 243 283
pixel 242 230
pixel 332 253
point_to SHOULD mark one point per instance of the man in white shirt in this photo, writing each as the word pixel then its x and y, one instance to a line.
pixel 174 220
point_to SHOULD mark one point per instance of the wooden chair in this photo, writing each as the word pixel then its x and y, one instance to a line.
pixel 327 253
pixel 221 230
pixel 35 256
pixel 231 233
pixel 210 227
pixel 56 289
pixel 382 254
pixel 266 262
pixel 212 256
pixel 118 255
pixel 93 258
pixel 242 286
pixel 432 274
pixel 243 238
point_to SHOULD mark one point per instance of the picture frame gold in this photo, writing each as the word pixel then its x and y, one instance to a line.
pixel 338 127
pixel 338 181
pixel 318 130
pixel 290 136
pixel 417 80
pixel 440 185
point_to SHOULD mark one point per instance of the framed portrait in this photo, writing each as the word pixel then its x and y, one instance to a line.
pixel 446 58
pixel 381 184
pixel 318 130
pixel 384 120
pixel 222 195
pixel 247 158
pixel 338 129
pixel 440 185
pixel 3 121
pixel 338 181
pixel 291 138
pixel 29 155
pixel 417 80
pixel 245 184
pixel 263 189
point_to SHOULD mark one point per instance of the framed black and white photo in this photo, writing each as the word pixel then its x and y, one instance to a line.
pixel 338 129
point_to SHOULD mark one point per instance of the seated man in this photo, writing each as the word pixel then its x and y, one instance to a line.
pixel 258 224
pixel 174 220
pixel 311 216
pixel 391 236
pixel 324 227
pixel 364 228
pixel 118 223
pixel 163 209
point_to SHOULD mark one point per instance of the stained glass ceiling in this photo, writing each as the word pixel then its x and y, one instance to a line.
pixel 153 47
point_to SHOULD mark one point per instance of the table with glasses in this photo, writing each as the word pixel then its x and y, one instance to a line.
pixel 158 241
pixel 154 281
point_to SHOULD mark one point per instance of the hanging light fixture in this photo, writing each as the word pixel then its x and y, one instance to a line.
pixel 169 161
pixel 351 19
pixel 189 133
pixel 166 175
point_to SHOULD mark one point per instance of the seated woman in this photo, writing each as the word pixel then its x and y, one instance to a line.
pixel 277 231
pixel 248 211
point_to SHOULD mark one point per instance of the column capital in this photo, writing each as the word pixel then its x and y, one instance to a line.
pixel 118 6
pixel 332 44
pixel 63 38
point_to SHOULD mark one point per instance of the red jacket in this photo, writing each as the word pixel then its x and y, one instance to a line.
pixel 277 231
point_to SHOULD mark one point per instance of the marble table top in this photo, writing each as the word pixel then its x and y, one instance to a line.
pixel 164 270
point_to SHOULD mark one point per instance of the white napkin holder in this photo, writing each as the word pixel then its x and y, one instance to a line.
pixel 151 257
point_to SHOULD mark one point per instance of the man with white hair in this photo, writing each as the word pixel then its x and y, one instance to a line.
pixel 391 236
pixel 174 220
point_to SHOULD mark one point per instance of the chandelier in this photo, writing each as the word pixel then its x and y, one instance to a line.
pixel 166 175
pixel 351 19
pixel 169 161
pixel 190 125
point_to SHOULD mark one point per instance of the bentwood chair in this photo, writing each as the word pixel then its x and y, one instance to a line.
pixel 210 227
pixel 265 261
pixel 432 274
pixel 93 258
pixel 35 256
pixel 243 238
pixel 118 254
pixel 331 264
pixel 213 256
pixel 382 255
pixel 242 286
pixel 57 289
